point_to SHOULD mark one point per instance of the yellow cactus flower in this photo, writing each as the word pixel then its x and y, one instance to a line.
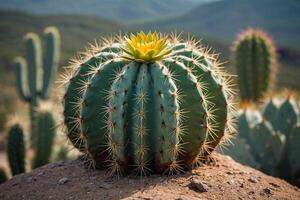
pixel 146 47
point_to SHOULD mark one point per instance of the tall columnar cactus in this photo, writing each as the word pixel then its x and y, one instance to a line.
pixel 255 60
pixel 149 103
pixel 44 138
pixel 16 150
pixel 35 76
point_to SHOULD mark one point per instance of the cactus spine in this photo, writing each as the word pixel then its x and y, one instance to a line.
pixel 255 61
pixel 34 76
pixel 16 150
pixel 44 138
pixel 124 110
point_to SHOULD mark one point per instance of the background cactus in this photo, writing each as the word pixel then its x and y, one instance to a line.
pixel 16 150
pixel 273 139
pixel 44 138
pixel 3 176
pixel 255 61
pixel 123 107
pixel 34 76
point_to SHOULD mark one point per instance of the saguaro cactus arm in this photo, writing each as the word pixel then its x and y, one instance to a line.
pixel 20 66
pixel 34 59
pixel 51 58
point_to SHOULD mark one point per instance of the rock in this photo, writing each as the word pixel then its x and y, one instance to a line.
pixel 14 184
pixel 231 182
pixel 63 181
pixel 274 185
pixel 266 191
pixel 229 173
pixel 252 180
pixel 198 186
pixel 106 186
pixel 30 179
pixel 179 198
pixel 41 173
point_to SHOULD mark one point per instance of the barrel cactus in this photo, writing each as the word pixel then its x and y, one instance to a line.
pixel 149 103
pixel 16 150
pixel 35 76
pixel 255 61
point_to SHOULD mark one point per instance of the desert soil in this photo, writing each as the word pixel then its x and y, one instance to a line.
pixel 226 179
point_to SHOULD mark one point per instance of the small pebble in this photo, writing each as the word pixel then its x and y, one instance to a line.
pixel 274 185
pixel 41 173
pixel 14 184
pixel 252 180
pixel 267 190
pixel 63 181
pixel 106 186
pixel 198 186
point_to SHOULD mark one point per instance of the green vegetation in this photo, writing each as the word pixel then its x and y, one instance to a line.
pixel 142 104
pixel 16 150
pixel 34 77
pixel 3 176
pixel 43 144
pixel 273 139
pixel 45 131
pixel 256 64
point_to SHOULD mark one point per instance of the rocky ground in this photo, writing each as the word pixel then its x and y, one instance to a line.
pixel 224 180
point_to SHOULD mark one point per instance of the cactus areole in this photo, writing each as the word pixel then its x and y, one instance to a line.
pixel 147 103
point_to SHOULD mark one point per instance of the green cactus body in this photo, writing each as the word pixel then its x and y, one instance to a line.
pixel 62 154
pixel 243 125
pixel 273 138
pixel 16 150
pixel 3 176
pixel 123 107
pixel 268 146
pixel 44 138
pixel 73 98
pixel 247 119
pixel 270 112
pixel 287 117
pixel 293 151
pixel 255 60
pixel 34 76
pixel 241 151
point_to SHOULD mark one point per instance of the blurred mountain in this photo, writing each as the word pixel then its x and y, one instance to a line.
pixel 120 10
pixel 223 19
pixel 75 33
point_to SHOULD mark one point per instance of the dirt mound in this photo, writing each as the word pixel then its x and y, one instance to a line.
pixel 70 180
